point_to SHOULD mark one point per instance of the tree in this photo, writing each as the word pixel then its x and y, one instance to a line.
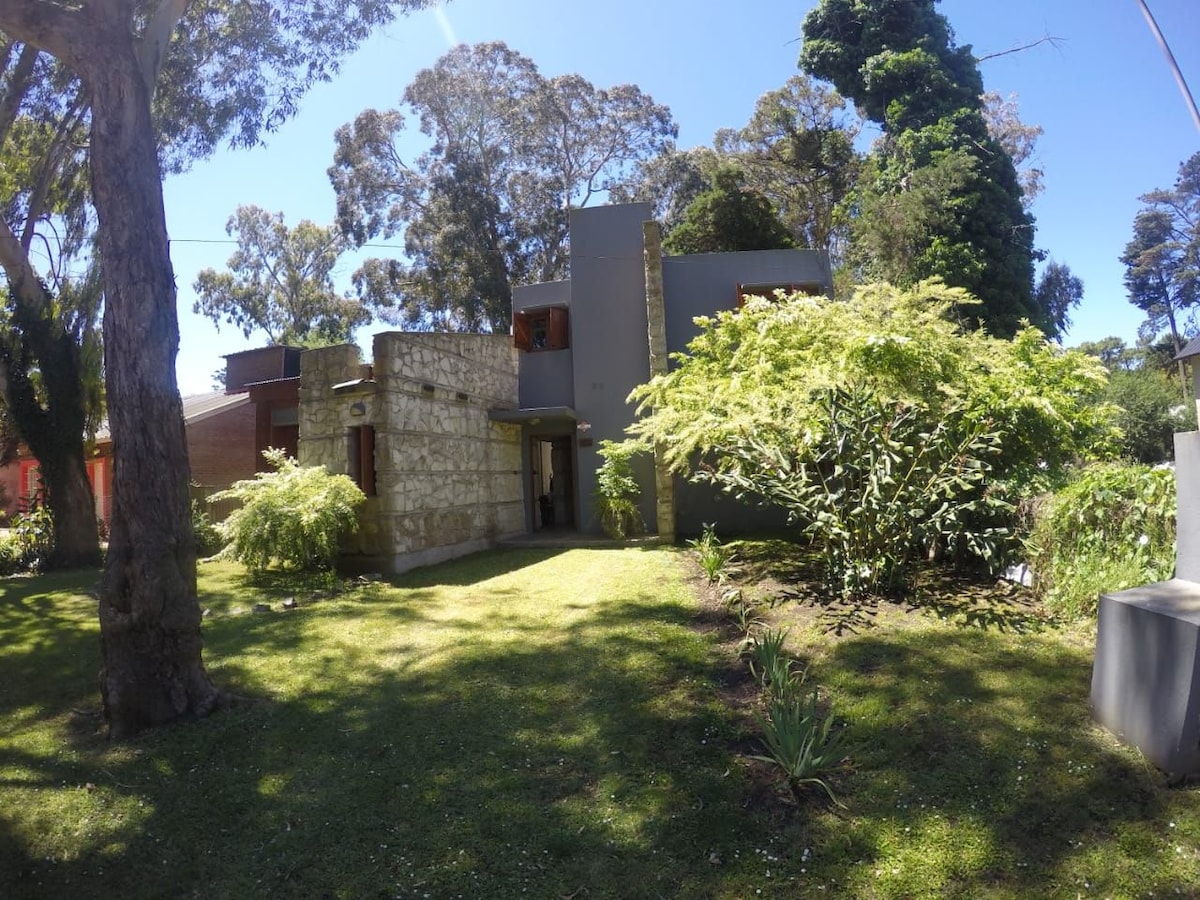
pixel 671 180
pixel 280 282
pixel 50 347
pixel 901 67
pixel 487 206
pixel 1149 411
pixel 1018 140
pixel 728 217
pixel 1162 261
pixel 152 671
pixel 797 150
pixel 1057 293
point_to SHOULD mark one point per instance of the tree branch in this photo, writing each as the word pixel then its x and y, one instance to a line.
pixel 18 84
pixel 1048 39
pixel 156 38
pixel 48 25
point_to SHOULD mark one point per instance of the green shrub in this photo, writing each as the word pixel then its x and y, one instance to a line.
pixel 29 543
pixel 878 485
pixel 1111 528
pixel 208 536
pixel 715 558
pixel 879 424
pixel 617 491
pixel 293 516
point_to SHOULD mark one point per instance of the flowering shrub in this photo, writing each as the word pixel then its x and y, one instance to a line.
pixel 293 515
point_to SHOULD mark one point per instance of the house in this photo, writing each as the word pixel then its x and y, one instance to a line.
pixel 224 435
pixel 459 440
pixel 586 342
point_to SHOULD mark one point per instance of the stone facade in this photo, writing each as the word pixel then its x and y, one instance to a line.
pixel 447 479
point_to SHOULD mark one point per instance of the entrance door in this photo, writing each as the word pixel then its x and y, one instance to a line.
pixel 552 482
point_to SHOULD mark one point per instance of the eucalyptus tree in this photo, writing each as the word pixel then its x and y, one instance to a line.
pixel 211 70
pixel 279 282
pixel 488 205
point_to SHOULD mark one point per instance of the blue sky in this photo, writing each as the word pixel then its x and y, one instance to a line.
pixel 1115 123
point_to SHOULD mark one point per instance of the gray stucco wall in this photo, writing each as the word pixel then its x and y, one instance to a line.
pixel 608 337
pixel 703 284
pixel 449 480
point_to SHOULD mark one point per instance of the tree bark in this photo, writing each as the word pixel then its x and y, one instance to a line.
pixel 152 672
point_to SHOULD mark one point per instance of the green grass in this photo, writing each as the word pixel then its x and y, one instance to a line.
pixel 557 724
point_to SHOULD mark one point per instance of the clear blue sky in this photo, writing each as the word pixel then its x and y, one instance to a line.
pixel 1115 123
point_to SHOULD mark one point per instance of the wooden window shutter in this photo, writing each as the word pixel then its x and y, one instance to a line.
pixel 522 333
pixel 559 338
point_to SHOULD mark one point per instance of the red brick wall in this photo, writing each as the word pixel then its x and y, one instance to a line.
pixel 221 447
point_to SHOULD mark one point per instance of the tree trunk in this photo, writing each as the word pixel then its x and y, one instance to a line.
pixel 69 495
pixel 152 672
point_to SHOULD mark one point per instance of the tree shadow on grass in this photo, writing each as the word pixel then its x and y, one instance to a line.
pixel 986 746
pixel 585 758
pixel 43 638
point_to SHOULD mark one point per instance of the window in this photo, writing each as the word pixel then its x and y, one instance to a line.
pixel 543 329
pixel 362 458
pixel 768 290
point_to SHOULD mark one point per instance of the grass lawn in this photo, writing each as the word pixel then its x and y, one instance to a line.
pixel 560 724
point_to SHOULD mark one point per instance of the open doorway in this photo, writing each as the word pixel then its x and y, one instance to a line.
pixel 552 487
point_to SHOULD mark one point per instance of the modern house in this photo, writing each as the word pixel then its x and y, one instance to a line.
pixel 460 440
pixel 586 342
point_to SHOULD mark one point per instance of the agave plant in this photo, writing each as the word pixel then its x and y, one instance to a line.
pixel 801 743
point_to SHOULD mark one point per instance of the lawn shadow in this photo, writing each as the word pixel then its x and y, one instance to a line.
pixel 989 740
pixel 974 600
pixel 589 756
pixel 44 640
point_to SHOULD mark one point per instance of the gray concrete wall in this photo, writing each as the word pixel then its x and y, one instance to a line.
pixel 608 338
pixel 449 480
pixel 1187 505
pixel 547 379
pixel 538 296
pixel 701 284
pixel 547 376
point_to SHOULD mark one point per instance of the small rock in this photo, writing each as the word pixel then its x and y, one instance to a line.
pixel 262 607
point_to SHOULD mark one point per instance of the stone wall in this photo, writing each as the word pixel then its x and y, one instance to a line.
pixel 448 479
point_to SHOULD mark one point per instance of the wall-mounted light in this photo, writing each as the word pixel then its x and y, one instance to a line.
pixel 358 408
